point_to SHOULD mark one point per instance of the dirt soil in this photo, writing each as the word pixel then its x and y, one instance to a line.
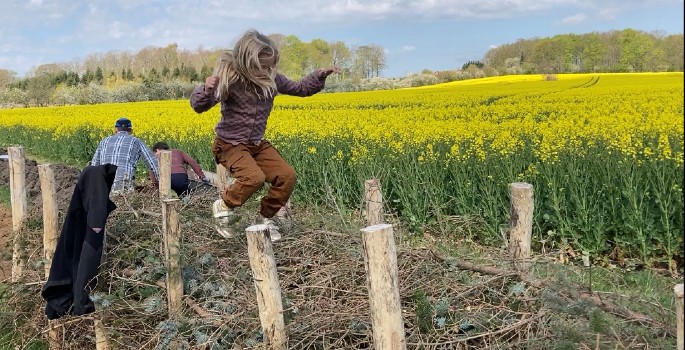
pixel 5 242
pixel 65 179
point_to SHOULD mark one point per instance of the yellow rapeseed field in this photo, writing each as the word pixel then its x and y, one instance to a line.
pixel 605 151
pixel 497 114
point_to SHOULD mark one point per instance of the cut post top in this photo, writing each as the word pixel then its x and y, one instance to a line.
pixel 377 227
pixel 678 289
pixel 257 228
pixel 521 185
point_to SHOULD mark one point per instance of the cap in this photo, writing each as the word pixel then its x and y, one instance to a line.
pixel 123 123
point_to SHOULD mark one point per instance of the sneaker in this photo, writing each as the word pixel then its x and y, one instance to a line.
pixel 224 217
pixel 273 229
pixel 284 220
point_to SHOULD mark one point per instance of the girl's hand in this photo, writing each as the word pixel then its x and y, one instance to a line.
pixel 328 71
pixel 210 83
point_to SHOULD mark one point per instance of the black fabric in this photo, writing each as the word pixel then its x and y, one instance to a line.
pixel 79 249
pixel 179 183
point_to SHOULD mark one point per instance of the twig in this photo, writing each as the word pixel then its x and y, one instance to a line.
pixel 592 297
pixel 64 323
pixel 197 308
pixel 499 331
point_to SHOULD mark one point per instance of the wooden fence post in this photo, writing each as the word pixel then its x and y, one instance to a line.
pixel 268 289
pixel 50 229
pixel 521 224
pixel 17 169
pixel 374 202
pixel 680 324
pixel 100 334
pixel 172 250
pixel 50 213
pixel 164 174
pixel 382 280
pixel 222 178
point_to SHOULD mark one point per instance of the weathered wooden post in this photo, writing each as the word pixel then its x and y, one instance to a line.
pixel 521 224
pixel 382 280
pixel 100 334
pixel 50 213
pixel 374 202
pixel 222 178
pixel 164 174
pixel 17 169
pixel 50 229
pixel 265 276
pixel 680 324
pixel 172 250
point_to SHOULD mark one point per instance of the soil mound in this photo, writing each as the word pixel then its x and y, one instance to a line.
pixel 65 180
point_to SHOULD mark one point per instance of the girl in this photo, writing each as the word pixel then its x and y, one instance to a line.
pixel 245 82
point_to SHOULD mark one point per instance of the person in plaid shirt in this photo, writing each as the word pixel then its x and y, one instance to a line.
pixel 124 150
pixel 245 83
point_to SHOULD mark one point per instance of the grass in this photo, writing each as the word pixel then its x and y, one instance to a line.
pixel 5 196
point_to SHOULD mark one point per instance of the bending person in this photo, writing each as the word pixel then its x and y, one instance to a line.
pixel 179 173
pixel 124 150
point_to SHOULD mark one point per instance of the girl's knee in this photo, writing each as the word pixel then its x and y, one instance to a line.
pixel 255 179
pixel 289 175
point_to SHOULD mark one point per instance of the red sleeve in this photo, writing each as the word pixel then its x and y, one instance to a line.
pixel 193 164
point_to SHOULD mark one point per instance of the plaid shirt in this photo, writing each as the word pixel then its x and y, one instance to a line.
pixel 244 114
pixel 124 150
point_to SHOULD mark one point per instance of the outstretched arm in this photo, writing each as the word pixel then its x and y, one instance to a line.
pixel 330 70
pixel 193 164
pixel 309 85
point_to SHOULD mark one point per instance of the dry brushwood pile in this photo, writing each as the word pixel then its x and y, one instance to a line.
pixel 323 283
pixel 446 303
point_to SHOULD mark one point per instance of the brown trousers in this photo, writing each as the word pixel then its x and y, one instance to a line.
pixel 251 166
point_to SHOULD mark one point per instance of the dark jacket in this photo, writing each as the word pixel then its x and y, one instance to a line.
pixel 79 249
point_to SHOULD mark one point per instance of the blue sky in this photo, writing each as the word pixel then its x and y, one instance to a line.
pixel 417 34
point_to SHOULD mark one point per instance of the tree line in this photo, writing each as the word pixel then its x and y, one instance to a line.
pixel 626 50
pixel 159 73
pixel 163 64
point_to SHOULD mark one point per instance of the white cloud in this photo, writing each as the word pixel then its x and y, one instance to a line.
pixel 575 19
pixel 315 11
pixel 116 30
pixel 148 32
pixel 77 28
pixel 608 14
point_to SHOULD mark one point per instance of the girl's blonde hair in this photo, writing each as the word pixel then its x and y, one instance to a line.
pixel 244 65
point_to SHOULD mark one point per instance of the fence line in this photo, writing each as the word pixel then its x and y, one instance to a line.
pixel 378 245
